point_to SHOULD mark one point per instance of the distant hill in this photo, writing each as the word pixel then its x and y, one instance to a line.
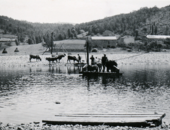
pixel 33 32
pixel 137 23
pixel 141 22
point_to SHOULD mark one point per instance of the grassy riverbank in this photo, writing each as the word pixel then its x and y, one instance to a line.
pixel 38 49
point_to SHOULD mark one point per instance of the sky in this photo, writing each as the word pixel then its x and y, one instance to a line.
pixel 72 11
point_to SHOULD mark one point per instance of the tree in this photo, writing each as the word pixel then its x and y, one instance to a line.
pixel 16 42
pixel 74 33
pixel 166 32
pixel 60 37
pixel 47 39
pixel 155 30
pixel 136 34
pixel 30 41
pixel 69 33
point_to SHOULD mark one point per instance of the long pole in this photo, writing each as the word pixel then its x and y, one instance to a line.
pixel 87 48
pixel 52 43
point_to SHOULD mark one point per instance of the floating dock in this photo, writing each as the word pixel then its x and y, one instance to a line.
pixel 136 120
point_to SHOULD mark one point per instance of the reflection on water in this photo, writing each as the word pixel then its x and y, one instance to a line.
pixel 29 93
pixel 73 70
pixel 105 79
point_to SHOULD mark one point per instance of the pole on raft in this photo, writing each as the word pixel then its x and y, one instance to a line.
pixel 52 43
pixel 87 48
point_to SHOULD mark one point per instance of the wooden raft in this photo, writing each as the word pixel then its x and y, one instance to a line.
pixel 136 120
pixel 101 73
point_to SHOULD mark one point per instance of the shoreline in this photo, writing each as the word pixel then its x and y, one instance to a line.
pixel 38 49
pixel 42 126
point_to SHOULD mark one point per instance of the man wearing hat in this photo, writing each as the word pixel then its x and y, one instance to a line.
pixel 104 60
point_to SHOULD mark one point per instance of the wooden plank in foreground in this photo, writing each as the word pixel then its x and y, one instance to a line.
pixel 136 120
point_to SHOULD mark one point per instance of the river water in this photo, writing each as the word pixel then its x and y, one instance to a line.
pixel 36 91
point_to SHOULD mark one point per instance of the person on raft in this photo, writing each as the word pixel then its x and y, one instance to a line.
pixel 92 60
pixel 79 58
pixel 104 60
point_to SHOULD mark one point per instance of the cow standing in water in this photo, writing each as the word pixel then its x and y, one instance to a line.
pixel 72 58
pixel 37 57
pixel 112 65
pixel 59 57
pixel 92 68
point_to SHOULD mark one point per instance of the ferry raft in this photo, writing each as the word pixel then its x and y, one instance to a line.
pixel 86 73
pixel 136 120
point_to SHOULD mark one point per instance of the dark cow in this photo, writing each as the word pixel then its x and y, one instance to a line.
pixel 112 65
pixel 37 57
pixel 90 68
pixel 72 58
pixel 59 57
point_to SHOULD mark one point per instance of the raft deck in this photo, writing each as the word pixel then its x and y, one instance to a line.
pixel 100 73
pixel 136 120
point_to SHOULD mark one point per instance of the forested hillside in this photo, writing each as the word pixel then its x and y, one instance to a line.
pixel 144 21
pixel 137 23
pixel 33 32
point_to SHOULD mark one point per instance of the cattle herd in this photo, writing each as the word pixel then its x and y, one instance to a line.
pixel 111 65
pixel 56 58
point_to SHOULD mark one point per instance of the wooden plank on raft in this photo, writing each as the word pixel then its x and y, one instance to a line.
pixel 99 73
pixel 79 64
pixel 108 119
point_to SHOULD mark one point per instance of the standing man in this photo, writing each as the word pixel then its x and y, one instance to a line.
pixel 79 58
pixel 92 60
pixel 104 60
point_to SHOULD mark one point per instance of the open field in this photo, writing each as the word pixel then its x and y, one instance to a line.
pixel 25 49
pixel 38 49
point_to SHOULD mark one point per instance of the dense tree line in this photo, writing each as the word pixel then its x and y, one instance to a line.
pixel 137 23
pixel 144 21
pixel 34 32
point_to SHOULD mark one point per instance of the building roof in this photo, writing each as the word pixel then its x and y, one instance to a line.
pixel 6 40
pixel 158 36
pixel 82 35
pixel 70 41
pixel 70 44
pixel 104 38
pixel 7 36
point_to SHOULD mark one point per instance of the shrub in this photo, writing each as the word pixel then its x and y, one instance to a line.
pixel 112 47
pixel 8 43
pixel 129 50
pixel 121 45
pixel 94 50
